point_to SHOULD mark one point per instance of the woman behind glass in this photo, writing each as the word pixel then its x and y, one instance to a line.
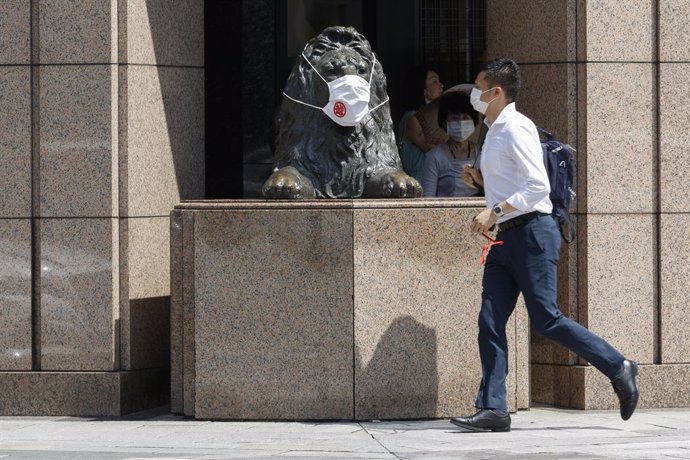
pixel 422 85
pixel 443 165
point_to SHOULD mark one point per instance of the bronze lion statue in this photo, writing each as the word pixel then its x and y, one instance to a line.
pixel 328 148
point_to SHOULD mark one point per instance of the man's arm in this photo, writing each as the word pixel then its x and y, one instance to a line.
pixel 487 218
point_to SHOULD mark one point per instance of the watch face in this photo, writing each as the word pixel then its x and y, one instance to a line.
pixel 498 210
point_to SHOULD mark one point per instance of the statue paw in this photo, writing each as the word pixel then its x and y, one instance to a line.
pixel 288 183
pixel 393 184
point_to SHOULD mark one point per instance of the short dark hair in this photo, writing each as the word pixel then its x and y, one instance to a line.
pixel 505 73
pixel 454 102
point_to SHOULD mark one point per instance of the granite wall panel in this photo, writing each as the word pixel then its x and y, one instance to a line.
pixel 176 315
pixel 15 141
pixel 417 297
pixel 79 294
pixel 15 32
pixel 77 31
pixel 620 138
pixel 78 144
pixel 674 138
pixel 278 349
pixel 165 139
pixel 620 282
pixel 548 96
pixel 675 279
pixel 82 394
pixel 539 31
pixel 148 257
pixel 674 30
pixel 15 294
pixel 161 32
pixel 616 31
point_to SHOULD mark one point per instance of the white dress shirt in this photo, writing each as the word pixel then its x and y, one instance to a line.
pixel 512 165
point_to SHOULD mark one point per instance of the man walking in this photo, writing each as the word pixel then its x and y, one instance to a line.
pixel 517 189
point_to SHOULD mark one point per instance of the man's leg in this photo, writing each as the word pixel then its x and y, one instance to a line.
pixel 498 302
pixel 535 271
pixel 499 296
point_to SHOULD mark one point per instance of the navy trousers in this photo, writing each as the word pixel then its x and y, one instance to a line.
pixel 527 263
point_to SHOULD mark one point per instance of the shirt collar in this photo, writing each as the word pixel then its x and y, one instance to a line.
pixel 507 112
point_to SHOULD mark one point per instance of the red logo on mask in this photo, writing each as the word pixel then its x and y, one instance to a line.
pixel 339 109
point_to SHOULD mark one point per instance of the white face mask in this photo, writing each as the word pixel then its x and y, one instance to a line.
pixel 475 99
pixel 460 130
pixel 349 95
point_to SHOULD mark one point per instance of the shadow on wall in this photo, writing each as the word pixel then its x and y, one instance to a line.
pixel 178 144
pixel 401 379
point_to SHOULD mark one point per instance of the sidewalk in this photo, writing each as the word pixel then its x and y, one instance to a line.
pixel 541 433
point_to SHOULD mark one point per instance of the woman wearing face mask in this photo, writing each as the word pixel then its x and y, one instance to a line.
pixel 422 85
pixel 444 164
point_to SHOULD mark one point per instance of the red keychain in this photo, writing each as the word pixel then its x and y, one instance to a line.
pixel 487 246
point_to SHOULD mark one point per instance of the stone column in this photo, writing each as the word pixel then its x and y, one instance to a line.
pixel 105 135
pixel 617 98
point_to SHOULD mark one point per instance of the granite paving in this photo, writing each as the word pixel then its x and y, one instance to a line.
pixel 538 433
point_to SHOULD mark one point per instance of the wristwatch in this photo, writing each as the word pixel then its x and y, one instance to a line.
pixel 498 210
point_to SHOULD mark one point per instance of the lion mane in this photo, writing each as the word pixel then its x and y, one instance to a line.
pixel 338 160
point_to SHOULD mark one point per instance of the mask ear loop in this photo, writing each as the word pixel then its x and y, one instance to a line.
pixel 374 108
pixel 317 73
pixel 300 102
pixel 371 74
pixel 312 66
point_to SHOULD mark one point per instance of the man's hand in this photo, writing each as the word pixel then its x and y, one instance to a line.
pixel 484 221
pixel 471 176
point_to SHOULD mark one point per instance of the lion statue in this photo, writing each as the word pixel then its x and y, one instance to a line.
pixel 333 131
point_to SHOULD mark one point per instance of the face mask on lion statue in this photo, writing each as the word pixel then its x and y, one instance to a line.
pixel 334 134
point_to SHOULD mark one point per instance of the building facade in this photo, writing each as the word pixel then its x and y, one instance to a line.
pixel 113 111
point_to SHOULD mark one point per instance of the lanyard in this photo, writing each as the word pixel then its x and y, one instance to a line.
pixel 487 246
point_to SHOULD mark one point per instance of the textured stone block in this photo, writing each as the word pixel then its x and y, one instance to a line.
pixel 188 315
pixel 531 31
pixel 15 32
pixel 550 384
pixel 620 138
pixel 15 141
pixel 653 381
pixel 417 297
pixel 280 348
pixel 77 31
pixel 617 31
pixel 79 293
pixel 60 393
pixel 165 131
pixel 78 153
pixel 161 32
pixel 149 257
pixel 522 356
pixel 675 279
pixel 674 30
pixel 83 394
pixel 620 282
pixel 15 294
pixel 149 333
pixel 176 315
pixel 674 138
pixel 548 97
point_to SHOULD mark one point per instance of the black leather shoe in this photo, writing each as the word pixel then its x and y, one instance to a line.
pixel 484 420
pixel 626 388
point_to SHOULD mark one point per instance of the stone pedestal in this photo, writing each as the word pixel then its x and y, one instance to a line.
pixel 347 309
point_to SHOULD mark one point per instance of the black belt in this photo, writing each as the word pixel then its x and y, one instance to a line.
pixel 519 220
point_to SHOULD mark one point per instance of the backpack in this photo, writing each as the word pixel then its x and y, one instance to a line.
pixel 559 160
